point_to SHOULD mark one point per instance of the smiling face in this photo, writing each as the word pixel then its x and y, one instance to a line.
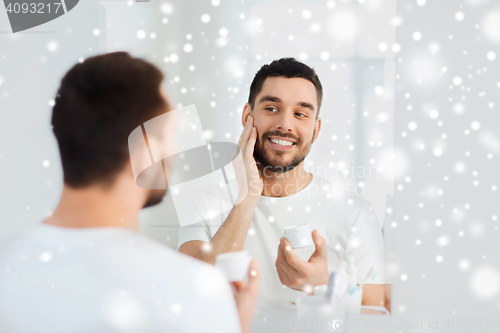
pixel 285 115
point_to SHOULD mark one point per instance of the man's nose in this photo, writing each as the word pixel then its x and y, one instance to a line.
pixel 284 122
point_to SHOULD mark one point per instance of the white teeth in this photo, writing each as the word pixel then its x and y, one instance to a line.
pixel 282 142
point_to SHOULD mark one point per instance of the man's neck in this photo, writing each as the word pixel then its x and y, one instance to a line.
pixel 95 206
pixel 284 184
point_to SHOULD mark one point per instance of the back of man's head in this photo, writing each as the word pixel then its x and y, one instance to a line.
pixel 98 104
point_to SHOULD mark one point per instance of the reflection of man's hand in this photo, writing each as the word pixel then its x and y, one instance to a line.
pixel 247 173
pixel 297 274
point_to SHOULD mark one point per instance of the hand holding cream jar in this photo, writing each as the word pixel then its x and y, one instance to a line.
pixel 299 236
pixel 234 265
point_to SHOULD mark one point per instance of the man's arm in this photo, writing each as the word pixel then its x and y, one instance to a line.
pixel 230 236
pixel 369 252
pixel 373 294
pixel 233 232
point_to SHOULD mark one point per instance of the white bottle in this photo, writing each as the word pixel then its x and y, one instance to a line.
pixel 344 278
pixel 353 273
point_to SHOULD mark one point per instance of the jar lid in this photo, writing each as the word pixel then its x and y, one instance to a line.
pixel 297 228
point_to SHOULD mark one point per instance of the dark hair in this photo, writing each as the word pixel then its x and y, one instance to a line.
pixel 287 67
pixel 98 104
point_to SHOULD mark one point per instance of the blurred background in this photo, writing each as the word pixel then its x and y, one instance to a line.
pixel 410 110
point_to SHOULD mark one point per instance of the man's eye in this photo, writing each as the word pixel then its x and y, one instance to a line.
pixel 301 114
pixel 272 109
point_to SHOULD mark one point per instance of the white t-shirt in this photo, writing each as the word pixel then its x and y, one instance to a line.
pixel 345 220
pixel 62 280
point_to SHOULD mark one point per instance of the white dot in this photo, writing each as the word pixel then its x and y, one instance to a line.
pixel 52 46
pixel 306 14
pixel 46 163
pixel 438 223
pixel 421 2
pixel 464 264
pixel 96 32
pixel 167 8
pixel 52 102
pixel 418 242
pixel 141 34
pixel 485 282
pixel 152 35
pixel 213 104
pixel 475 125
pixel 438 151
pixel 459 16
pixel 417 35
pixel 457 80
pixel 1 80
pixel 192 68
pixel 439 258
pixel 404 277
pixel 223 32
pixel 494 188
pixel 458 108
pixel 205 18
pixel 434 114
pixel 396 48
pixel 443 241
pixel 215 3
pixel 382 47
pixel 379 90
pixel 45 256
pixel 491 56
pixel 174 57
pixel 325 55
pixel 188 48
pixel 331 4
pixel 412 125
pixel 176 308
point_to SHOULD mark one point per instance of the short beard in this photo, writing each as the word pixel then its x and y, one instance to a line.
pixel 154 198
pixel 263 156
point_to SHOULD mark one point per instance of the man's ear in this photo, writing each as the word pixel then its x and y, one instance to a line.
pixel 247 110
pixel 317 128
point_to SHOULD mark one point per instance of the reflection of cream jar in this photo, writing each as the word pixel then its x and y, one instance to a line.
pixel 234 265
pixel 299 236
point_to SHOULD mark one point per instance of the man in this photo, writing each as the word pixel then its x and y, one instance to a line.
pixel 280 124
pixel 85 268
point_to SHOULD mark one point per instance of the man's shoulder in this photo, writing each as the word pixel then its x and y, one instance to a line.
pixel 342 204
pixel 111 245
